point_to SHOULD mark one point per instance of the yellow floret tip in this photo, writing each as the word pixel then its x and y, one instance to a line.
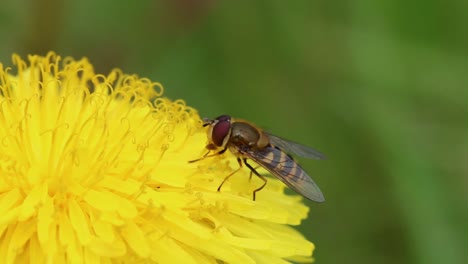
pixel 94 168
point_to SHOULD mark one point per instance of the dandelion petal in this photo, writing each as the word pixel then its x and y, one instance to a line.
pixel 94 169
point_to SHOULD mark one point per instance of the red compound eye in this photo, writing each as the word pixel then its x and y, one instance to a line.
pixel 221 129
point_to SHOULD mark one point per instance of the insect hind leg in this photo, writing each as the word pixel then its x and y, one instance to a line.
pixel 253 170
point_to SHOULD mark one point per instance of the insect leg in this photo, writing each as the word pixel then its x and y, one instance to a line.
pixel 232 173
pixel 252 169
pixel 208 156
pixel 251 172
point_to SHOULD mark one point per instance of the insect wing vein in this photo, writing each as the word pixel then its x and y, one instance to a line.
pixel 295 148
pixel 287 170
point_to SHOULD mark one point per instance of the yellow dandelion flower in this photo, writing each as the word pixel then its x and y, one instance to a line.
pixel 94 168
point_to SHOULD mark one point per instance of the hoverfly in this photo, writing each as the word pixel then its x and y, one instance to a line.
pixel 247 141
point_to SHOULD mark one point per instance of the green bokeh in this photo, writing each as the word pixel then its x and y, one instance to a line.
pixel 380 87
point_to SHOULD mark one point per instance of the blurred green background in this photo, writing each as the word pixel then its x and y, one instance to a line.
pixel 381 87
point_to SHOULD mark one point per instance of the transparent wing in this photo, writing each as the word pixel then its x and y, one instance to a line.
pixel 295 148
pixel 287 170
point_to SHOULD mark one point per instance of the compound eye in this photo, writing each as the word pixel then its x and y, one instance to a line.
pixel 220 131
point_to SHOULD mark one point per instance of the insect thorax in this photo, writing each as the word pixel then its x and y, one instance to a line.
pixel 245 135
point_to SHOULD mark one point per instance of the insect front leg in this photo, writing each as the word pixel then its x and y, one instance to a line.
pixel 232 173
pixel 208 156
pixel 252 169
